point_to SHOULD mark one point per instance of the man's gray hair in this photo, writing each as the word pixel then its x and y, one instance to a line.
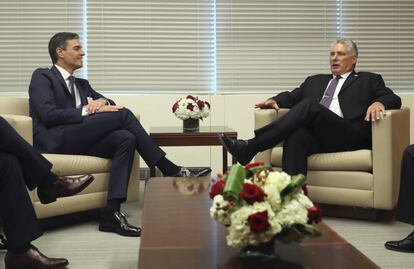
pixel 352 47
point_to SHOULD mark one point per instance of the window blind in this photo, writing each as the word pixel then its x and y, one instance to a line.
pixel 181 46
pixel 25 30
pixel 151 47
pixel 268 45
pixel 384 32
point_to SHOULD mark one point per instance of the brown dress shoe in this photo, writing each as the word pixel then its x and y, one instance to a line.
pixel 63 187
pixel 33 258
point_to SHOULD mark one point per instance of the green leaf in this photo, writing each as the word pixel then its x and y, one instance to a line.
pixel 294 184
pixel 234 182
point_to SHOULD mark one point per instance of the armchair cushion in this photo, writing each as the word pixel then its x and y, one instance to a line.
pixel 359 160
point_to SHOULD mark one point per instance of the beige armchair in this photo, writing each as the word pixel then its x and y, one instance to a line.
pixel 16 111
pixel 361 178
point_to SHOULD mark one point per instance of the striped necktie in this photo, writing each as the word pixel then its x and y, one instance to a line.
pixel 72 88
pixel 329 92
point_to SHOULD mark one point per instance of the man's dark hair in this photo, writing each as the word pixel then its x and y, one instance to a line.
pixel 59 41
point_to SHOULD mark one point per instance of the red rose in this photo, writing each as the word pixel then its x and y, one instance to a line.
pixel 175 107
pixel 315 214
pixel 252 193
pixel 200 104
pixel 305 188
pixel 258 222
pixel 190 106
pixel 251 165
pixel 217 188
pixel 208 104
pixel 191 97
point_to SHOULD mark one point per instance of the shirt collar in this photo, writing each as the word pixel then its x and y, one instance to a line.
pixel 65 74
pixel 344 75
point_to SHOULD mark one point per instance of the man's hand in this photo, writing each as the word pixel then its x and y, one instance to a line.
pixel 269 103
pixel 95 105
pixel 375 112
pixel 109 108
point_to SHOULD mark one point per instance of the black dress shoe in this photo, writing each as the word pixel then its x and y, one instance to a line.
pixel 237 148
pixel 404 245
pixel 33 258
pixel 118 223
pixel 63 187
pixel 193 172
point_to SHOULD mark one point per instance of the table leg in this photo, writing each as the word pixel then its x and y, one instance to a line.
pixel 152 171
pixel 224 160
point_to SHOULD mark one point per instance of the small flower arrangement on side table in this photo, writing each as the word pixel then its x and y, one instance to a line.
pixel 191 110
pixel 259 205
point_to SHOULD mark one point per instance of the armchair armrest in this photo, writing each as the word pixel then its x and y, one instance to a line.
pixel 390 136
pixel 263 117
pixel 22 124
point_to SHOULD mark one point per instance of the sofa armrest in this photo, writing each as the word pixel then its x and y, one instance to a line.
pixel 22 124
pixel 390 136
pixel 263 117
pixel 136 114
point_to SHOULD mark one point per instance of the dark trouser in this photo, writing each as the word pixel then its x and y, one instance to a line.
pixel 20 166
pixel 405 207
pixel 306 129
pixel 35 168
pixel 114 135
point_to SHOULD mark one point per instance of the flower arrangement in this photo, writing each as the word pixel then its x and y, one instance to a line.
pixel 258 205
pixel 191 108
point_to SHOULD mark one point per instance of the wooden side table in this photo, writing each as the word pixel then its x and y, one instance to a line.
pixel 206 136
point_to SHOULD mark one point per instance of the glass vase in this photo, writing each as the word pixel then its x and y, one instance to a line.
pixel 191 125
pixel 261 253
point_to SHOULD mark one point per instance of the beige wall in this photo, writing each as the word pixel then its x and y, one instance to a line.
pixel 233 111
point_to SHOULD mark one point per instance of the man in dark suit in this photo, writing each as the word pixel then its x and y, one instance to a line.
pixel 70 117
pixel 405 211
pixel 20 166
pixel 328 113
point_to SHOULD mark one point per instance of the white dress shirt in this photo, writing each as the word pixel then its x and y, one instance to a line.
pixel 65 74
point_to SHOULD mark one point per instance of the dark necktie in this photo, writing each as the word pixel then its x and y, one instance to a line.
pixel 329 93
pixel 72 88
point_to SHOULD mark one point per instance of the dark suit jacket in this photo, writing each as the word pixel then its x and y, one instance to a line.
pixel 52 107
pixel 358 92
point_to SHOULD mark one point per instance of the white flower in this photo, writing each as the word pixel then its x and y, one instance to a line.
pixel 292 212
pixel 280 179
pixel 220 210
pixel 240 234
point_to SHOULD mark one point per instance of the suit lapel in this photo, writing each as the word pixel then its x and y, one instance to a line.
pixel 59 77
pixel 81 93
pixel 62 82
pixel 348 82
pixel 325 82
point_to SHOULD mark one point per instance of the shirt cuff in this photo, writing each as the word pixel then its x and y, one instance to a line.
pixel 85 112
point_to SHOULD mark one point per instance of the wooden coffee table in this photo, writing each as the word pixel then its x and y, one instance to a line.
pixel 206 136
pixel 177 232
